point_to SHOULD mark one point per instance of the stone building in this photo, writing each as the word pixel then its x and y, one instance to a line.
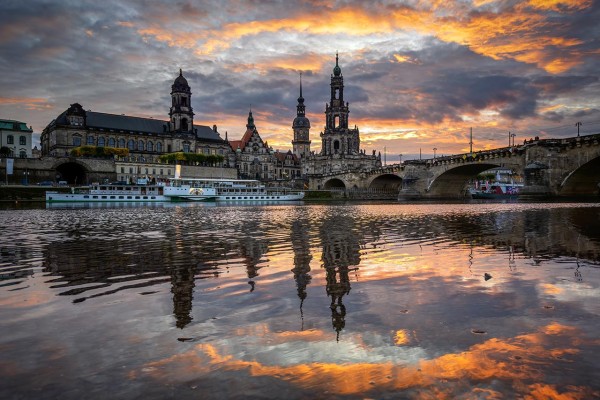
pixel 17 137
pixel 145 138
pixel 255 159
pixel 340 145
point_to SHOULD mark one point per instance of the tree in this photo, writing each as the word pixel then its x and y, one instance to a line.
pixel 5 151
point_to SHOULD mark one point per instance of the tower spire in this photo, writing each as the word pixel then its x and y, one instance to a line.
pixel 300 84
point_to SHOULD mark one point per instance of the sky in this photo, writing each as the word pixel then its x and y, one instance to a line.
pixel 418 74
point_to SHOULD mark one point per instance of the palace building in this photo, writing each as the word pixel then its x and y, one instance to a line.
pixel 145 138
pixel 340 145
pixel 255 159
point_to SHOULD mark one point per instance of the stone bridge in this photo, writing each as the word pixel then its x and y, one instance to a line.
pixel 550 167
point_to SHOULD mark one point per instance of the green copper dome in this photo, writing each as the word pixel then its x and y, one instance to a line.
pixel 337 71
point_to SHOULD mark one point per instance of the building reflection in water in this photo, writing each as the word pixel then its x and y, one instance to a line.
pixel 182 287
pixel 252 248
pixel 341 255
pixel 302 257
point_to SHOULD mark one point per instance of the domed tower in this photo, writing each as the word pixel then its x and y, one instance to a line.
pixel 181 113
pixel 301 127
pixel 337 139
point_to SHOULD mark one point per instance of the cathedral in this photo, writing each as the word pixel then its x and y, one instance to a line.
pixel 340 145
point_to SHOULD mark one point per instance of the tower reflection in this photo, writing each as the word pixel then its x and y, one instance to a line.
pixel 341 254
pixel 302 257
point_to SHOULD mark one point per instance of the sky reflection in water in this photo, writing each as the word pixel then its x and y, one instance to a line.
pixel 352 301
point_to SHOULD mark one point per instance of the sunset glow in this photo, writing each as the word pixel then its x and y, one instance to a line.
pixel 418 75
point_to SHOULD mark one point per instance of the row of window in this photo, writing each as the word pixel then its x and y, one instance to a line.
pixel 10 139
pixel 139 171
pixel 131 144
pixel 112 142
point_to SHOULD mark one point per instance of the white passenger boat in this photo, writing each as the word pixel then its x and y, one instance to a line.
pixel 228 190
pixel 109 193
pixel 177 189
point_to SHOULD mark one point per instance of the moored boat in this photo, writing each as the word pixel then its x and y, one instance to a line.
pixel 230 190
pixel 177 189
pixel 109 193
pixel 496 190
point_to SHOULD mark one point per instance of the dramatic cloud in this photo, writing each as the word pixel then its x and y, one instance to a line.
pixel 418 74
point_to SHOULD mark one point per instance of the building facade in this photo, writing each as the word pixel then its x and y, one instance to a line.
pixel 145 138
pixel 17 137
pixel 340 145
pixel 255 159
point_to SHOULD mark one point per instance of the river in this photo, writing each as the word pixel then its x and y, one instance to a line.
pixel 301 301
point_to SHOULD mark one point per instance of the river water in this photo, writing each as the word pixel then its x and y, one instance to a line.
pixel 301 301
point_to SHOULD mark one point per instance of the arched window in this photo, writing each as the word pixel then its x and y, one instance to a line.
pixel 149 146
pixel 111 142
pixel 141 145
pixel 159 147
pixel 131 144
pixel 186 147
pixel 23 154
pixel 336 146
pixel 184 124
pixel 100 141
pixel 121 143
pixel 22 140
pixel 10 139
pixel 76 141
pixel 90 140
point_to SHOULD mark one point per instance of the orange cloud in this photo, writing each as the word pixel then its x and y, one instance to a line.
pixel 519 362
pixel 523 33
pixel 30 103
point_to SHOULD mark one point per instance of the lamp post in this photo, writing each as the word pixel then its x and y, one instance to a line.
pixel 513 138
pixel 434 150
pixel 508 138
pixel 578 124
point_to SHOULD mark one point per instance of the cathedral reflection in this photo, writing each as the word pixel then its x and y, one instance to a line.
pixel 341 253
pixel 302 257
pixel 182 287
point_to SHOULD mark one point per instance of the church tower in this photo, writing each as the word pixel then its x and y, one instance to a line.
pixel 181 113
pixel 337 139
pixel 301 127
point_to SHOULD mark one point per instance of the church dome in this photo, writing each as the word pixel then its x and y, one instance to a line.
pixel 301 122
pixel 180 84
pixel 337 71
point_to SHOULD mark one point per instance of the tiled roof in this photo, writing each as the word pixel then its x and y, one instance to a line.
pixel 136 124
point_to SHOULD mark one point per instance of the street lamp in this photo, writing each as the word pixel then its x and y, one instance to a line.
pixel 434 150
pixel 578 124
pixel 513 138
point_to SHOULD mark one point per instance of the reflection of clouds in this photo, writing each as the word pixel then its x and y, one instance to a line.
pixel 517 364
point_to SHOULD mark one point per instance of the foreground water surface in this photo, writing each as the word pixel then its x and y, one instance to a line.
pixel 298 301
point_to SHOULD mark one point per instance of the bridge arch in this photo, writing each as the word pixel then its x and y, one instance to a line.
pixel 334 183
pixel 583 181
pixel 386 182
pixel 453 182
pixel 72 171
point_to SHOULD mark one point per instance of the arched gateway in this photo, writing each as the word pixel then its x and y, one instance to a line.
pixel 72 172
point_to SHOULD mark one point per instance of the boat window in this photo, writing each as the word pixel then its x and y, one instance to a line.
pixel 86 197
pixel 121 197
pixel 137 197
pixel 104 197
pixel 112 197
pixel 129 197
pixel 145 197
pixel 152 197
pixel 94 197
